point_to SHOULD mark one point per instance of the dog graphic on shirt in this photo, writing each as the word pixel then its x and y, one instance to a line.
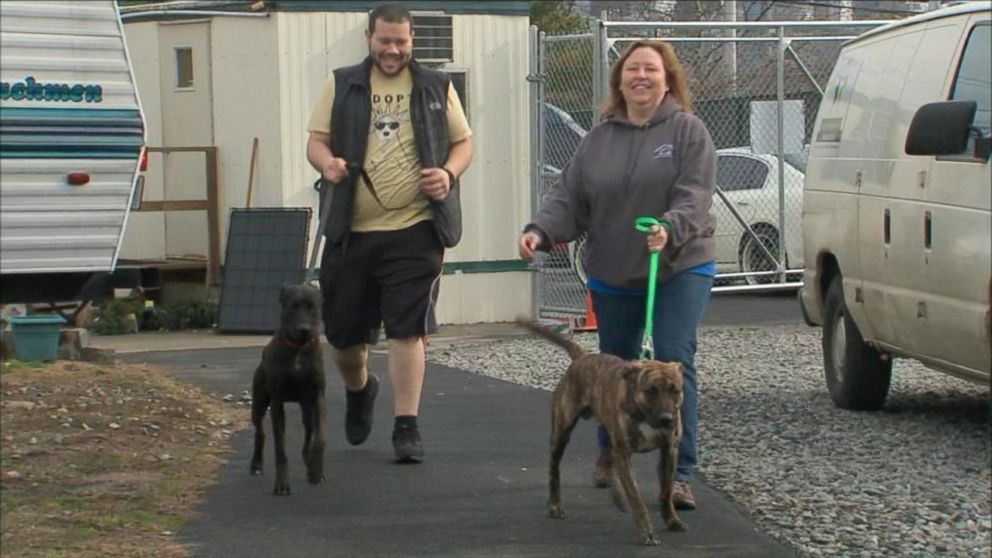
pixel 390 153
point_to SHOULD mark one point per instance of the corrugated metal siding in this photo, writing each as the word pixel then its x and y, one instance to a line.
pixel 495 190
pixel 48 225
pixel 65 42
pixel 59 18
pixel 310 46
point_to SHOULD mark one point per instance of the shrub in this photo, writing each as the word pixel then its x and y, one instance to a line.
pixel 115 317
pixel 193 314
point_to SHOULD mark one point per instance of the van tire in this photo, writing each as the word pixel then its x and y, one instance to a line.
pixel 857 374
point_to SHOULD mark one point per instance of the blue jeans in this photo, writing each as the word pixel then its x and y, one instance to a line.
pixel 678 308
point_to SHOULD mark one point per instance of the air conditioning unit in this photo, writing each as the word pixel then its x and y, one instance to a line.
pixel 432 42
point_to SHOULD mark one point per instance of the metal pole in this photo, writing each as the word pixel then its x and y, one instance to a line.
pixel 805 70
pixel 730 48
pixel 536 79
pixel 709 25
pixel 599 65
pixel 781 153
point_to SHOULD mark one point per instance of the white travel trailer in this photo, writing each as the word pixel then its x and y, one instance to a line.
pixel 72 141
pixel 896 209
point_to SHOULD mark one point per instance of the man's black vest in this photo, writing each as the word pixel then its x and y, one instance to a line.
pixel 350 120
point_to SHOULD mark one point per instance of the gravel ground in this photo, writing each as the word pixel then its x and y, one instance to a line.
pixel 910 480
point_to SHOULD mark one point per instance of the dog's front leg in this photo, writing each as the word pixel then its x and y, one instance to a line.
pixel 621 462
pixel 314 449
pixel 279 437
pixel 259 404
pixel 666 479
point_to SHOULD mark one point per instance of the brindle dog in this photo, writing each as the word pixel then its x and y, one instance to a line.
pixel 638 402
pixel 292 369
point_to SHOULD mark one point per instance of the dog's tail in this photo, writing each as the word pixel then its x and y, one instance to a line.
pixel 573 348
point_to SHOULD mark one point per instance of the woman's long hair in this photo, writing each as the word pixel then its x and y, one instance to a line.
pixel 674 78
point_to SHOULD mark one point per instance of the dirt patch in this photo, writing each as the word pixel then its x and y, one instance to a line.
pixel 104 460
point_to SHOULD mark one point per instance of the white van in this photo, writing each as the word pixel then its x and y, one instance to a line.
pixel 72 144
pixel 897 229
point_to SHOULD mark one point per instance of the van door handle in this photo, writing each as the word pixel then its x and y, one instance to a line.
pixel 927 230
pixel 887 227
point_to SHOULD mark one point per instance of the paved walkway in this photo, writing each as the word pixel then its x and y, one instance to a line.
pixel 480 493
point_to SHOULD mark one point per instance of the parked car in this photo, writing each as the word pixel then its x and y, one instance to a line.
pixel 562 135
pixel 896 217
pixel 749 183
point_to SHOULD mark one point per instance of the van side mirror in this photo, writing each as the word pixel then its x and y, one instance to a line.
pixel 943 128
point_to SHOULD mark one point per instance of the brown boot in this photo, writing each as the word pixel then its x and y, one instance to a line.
pixel 682 496
pixel 601 476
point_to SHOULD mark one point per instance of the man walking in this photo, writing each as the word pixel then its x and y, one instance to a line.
pixel 390 140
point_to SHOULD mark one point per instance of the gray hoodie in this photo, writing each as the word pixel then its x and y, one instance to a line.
pixel 664 168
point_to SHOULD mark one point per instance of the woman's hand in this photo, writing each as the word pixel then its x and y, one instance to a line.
pixel 529 241
pixel 657 239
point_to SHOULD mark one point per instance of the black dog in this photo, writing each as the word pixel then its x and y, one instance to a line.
pixel 292 369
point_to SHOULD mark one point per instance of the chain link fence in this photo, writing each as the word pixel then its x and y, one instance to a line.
pixel 757 86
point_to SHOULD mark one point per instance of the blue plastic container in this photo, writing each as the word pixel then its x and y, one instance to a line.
pixel 36 337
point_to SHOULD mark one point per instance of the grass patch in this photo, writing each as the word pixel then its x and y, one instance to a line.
pixel 19 365
pixel 100 461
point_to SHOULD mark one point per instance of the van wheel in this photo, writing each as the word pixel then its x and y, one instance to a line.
pixel 753 259
pixel 857 375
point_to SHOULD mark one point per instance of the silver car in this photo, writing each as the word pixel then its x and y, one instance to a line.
pixel 749 195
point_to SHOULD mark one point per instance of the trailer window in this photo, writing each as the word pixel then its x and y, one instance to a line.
pixel 184 68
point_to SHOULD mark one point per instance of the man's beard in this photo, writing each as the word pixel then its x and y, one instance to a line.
pixel 404 60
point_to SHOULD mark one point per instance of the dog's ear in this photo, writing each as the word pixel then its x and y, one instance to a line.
pixel 632 372
pixel 284 293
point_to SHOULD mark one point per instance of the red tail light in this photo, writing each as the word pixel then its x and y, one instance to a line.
pixel 143 164
pixel 77 178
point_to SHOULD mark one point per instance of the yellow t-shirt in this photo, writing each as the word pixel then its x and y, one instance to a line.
pixel 391 158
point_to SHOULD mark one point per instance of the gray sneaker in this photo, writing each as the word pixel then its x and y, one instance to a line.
pixel 406 444
pixel 358 413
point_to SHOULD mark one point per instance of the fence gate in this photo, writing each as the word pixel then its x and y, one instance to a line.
pixel 756 85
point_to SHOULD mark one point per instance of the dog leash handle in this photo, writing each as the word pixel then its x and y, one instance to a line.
pixel 645 225
pixel 324 217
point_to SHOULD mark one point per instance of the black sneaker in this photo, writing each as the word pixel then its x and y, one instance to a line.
pixel 358 415
pixel 406 443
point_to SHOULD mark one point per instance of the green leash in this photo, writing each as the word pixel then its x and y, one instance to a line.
pixel 645 224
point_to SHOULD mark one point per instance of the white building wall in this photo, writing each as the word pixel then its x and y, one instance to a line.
pixel 144 237
pixel 246 104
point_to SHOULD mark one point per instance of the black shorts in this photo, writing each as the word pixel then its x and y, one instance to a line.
pixel 389 277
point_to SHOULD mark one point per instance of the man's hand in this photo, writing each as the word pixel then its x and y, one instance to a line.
pixel 435 183
pixel 334 170
pixel 528 244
